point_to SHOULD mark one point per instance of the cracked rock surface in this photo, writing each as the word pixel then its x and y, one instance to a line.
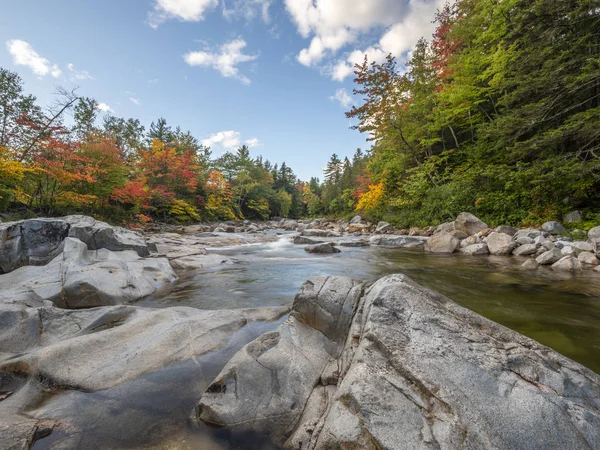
pixel 392 365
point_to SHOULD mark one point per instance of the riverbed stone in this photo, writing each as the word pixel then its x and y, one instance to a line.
pixel 302 240
pixel 324 247
pixel 442 243
pixel 393 240
pixel 31 242
pixel 567 263
pixel 414 369
pixel 530 264
pixel 446 227
pixel 82 278
pixel 506 229
pixel 527 232
pixel 549 256
pixel 471 240
pixel 475 249
pixel 525 250
pixel 356 219
pixel 320 233
pixel 524 240
pixel 359 227
pixel 553 227
pixel 588 258
pixel 500 243
pixel 469 223
pixel 384 228
pixel 582 246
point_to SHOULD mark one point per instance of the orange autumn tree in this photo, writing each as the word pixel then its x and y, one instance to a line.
pixel 165 182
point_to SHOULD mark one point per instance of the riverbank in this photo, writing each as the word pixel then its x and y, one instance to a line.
pixel 190 325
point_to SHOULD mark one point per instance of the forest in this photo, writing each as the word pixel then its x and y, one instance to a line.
pixel 497 114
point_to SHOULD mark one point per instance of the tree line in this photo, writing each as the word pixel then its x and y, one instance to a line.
pixel 123 172
pixel 497 114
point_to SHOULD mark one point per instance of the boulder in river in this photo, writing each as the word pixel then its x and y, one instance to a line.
pixel 469 223
pixel 442 243
pixel 384 228
pixel 588 258
pixel 392 365
pixel 356 219
pixel 506 230
pixel 567 263
pixel 393 240
pixel 82 278
pixel 324 247
pixel 549 257
pixel 525 250
pixel 301 240
pixel 475 249
pixel 320 233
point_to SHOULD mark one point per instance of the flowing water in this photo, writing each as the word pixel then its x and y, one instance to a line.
pixel 561 311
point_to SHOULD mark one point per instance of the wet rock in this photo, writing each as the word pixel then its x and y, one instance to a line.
pixel 99 348
pixel 393 365
pixel 468 223
pixel 359 227
pixel 392 240
pixel 525 250
pixel 549 257
pixel 554 228
pixel 573 217
pixel 442 243
pixel 320 233
pixel 384 228
pixel 31 242
pixel 530 264
pixel 500 244
pixel 322 248
pixel 301 240
pixel 588 258
pixel 506 230
pixel 567 263
pixel 359 243
pixel 475 249
pixel 82 278
pixel 289 224
pixel 200 261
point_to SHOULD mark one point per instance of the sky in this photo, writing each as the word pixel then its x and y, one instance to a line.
pixel 275 75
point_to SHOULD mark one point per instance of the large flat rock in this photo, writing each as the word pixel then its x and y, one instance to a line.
pixel 415 370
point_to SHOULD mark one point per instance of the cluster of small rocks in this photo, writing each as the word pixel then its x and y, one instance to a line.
pixel 547 245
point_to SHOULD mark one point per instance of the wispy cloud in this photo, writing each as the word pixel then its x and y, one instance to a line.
pixel 78 74
pixel 342 96
pixel 253 142
pixel 23 54
pixel 183 10
pixel 225 59
pixel 135 101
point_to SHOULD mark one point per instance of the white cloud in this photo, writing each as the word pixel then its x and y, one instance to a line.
pixel 342 96
pixel 78 74
pixel 225 60
pixel 227 140
pixel 252 142
pixel 104 107
pixel 135 101
pixel 333 25
pixel 184 10
pixel 23 54
pixel 248 9
pixel 153 81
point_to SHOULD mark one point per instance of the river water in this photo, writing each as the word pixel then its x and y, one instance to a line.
pixel 561 311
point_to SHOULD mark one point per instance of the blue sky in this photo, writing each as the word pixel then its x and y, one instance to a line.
pixel 276 74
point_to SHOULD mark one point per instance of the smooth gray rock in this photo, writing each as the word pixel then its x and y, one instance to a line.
pixel 442 243
pixel 414 371
pixel 527 232
pixel 530 264
pixel 99 348
pixel 289 224
pixel 446 227
pixel 384 228
pixel 554 228
pixel 471 240
pixel 325 247
pixel 573 217
pixel 525 250
pixel 525 240
pixel 356 219
pixel 31 242
pixel 549 257
pixel 475 249
pixel 268 383
pixel 567 263
pixel 468 223
pixel 393 240
pixel 301 240
pixel 500 244
pixel 320 233
pixel 582 246
pixel 588 258
pixel 506 230
pixel 99 235
pixel 82 278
